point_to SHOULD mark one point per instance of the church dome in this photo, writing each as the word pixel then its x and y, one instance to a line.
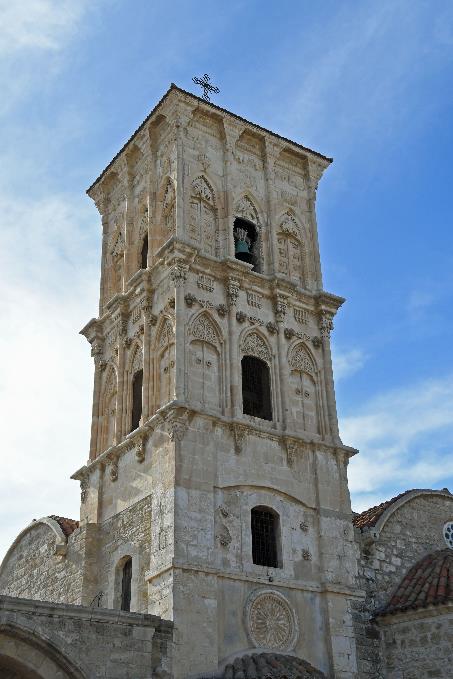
pixel 428 583
pixel 273 665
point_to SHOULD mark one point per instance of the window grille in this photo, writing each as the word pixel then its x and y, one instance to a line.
pixel 256 389
pixel 126 586
pixel 264 537
pixel 137 389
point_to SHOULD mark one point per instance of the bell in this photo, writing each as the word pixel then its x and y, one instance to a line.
pixel 241 248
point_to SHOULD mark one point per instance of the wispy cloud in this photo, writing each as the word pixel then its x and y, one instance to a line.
pixel 38 24
pixel 405 438
pixel 347 363
pixel 48 278
pixel 359 83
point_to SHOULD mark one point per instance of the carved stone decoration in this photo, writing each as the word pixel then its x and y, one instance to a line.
pixel 271 327
pixel 289 225
pixel 241 317
pixel 254 299
pixel 254 345
pixel 205 282
pixel 245 208
pixel 83 489
pixel 224 536
pixel 222 310
pixel 300 360
pixel 167 334
pixel 239 435
pixel 140 449
pixel 190 299
pixel 304 526
pixel 316 341
pixel 281 306
pixel 204 330
pixel 178 274
pixel 271 621
pixel 177 429
pixel 306 555
pixel 113 468
pixel 118 244
pixel 232 292
pixel 291 452
pixel 325 323
pixel 289 333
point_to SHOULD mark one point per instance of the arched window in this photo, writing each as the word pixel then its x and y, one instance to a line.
pixel 126 582
pixel 256 388
pixel 144 253
pixel 202 220
pixel 137 390
pixel 246 242
pixel 265 537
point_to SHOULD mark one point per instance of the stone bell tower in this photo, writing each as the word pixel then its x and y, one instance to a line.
pixel 216 471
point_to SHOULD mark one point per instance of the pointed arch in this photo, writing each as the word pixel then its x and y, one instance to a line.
pixel 247 232
pixel 115 262
pixel 291 249
pixel 203 222
pixel 305 397
pixel 206 362
pixel 135 361
pixel 253 343
pixel 204 327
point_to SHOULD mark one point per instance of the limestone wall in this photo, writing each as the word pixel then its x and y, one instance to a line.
pixel 413 530
pixel 419 645
pixel 34 569
pixel 74 642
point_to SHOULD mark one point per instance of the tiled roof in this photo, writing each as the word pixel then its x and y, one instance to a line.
pixel 370 517
pixel 428 583
pixel 269 666
pixel 68 526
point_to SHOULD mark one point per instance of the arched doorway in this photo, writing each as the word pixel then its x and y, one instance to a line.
pixel 24 655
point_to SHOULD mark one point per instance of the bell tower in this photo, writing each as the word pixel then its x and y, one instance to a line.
pixel 216 489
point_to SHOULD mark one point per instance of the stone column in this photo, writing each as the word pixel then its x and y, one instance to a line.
pixel 178 276
pixel 270 152
pixel 120 398
pixel 280 314
pixel 232 294
pixel 325 328
pixel 96 352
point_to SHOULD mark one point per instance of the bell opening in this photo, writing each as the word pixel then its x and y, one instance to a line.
pixel 245 237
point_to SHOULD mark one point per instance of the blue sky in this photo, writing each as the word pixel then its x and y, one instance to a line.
pixel 369 83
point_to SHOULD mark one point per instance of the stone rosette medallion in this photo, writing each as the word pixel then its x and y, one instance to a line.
pixel 271 621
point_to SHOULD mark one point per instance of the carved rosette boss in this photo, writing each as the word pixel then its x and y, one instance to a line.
pixel 271 621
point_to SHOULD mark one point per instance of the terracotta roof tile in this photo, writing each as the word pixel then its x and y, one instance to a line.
pixel 428 583
pixel 68 526
pixel 370 517
pixel 268 666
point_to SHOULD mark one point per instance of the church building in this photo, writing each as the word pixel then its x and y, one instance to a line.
pixel 216 536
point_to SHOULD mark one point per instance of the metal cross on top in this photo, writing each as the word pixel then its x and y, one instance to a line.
pixel 205 83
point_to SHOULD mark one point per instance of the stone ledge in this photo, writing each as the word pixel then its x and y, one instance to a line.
pixel 103 615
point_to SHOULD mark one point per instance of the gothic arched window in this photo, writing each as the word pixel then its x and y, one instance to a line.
pixel 265 530
pixel 126 585
pixel 247 235
pixel 137 399
pixel 202 220
pixel 303 390
pixel 256 388
pixel 144 253
pixel 169 211
pixel 291 251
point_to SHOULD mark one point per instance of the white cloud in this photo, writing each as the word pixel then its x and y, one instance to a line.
pixel 347 363
pixel 49 280
pixel 38 24
pixel 406 440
